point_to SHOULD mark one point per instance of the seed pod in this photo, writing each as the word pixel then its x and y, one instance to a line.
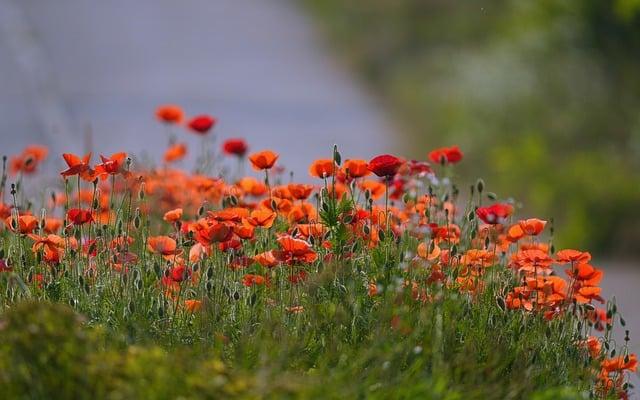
pixel 381 234
pixel 141 193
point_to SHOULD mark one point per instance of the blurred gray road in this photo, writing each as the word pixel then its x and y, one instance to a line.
pixel 256 65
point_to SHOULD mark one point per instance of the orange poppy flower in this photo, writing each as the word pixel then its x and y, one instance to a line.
pixel 28 161
pixel 375 188
pixel 266 259
pixel 294 250
pixel 163 245
pixel 52 225
pixel 314 229
pixel 356 168
pixel 170 114
pixel 587 294
pixel 263 160
pixel 621 363
pixel 302 212
pixel 300 191
pixel 175 152
pixel 78 166
pixel 24 223
pixel 262 217
pixel 244 231
pixel 532 226
pixel 323 168
pixel 423 252
pixel 231 214
pixel 253 280
pixel 173 215
pixel 572 256
pixel 450 155
pixel 207 233
pixel 192 305
pixel 113 165
pixel 251 186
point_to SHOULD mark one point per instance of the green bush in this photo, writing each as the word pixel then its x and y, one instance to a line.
pixel 542 96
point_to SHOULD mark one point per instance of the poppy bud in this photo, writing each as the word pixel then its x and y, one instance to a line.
pixel 200 211
pixel 141 192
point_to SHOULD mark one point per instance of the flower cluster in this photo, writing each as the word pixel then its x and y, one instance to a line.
pixel 268 238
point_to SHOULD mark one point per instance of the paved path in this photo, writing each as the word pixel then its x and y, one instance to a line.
pixel 257 65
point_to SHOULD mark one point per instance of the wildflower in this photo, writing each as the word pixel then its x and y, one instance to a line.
pixel 170 114
pixel 201 124
pixel 385 165
pixel 376 189
pixel 163 245
pixel 179 273
pixel 79 216
pixel 235 147
pixel 494 214
pixel 446 155
pixel 294 250
pixel 78 166
pixel 266 259
pixel 253 280
pixel 572 256
pixel 113 165
pixel 263 218
pixel 28 161
pixel 193 305
pixel 175 152
pixel 300 191
pixel 173 215
pixel 263 160
pixel 356 168
pixel 323 168
pixel 23 224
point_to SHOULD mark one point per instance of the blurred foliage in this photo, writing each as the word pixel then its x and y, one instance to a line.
pixel 542 96
pixel 50 352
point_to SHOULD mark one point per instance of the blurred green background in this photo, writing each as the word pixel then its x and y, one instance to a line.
pixel 542 96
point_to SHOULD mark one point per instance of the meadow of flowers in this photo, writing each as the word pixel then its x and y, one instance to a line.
pixel 381 279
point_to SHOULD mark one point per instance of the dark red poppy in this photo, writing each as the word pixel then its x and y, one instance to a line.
pixel 450 155
pixel 385 165
pixel 235 147
pixel 78 216
pixel 495 214
pixel 179 273
pixel 202 124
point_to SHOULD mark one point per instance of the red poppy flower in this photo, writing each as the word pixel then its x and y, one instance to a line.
pixel 179 273
pixel 449 155
pixel 202 124
pixel 385 165
pixel 79 217
pixel 78 166
pixel 170 114
pixel 235 147
pixel 495 214
pixel 113 165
